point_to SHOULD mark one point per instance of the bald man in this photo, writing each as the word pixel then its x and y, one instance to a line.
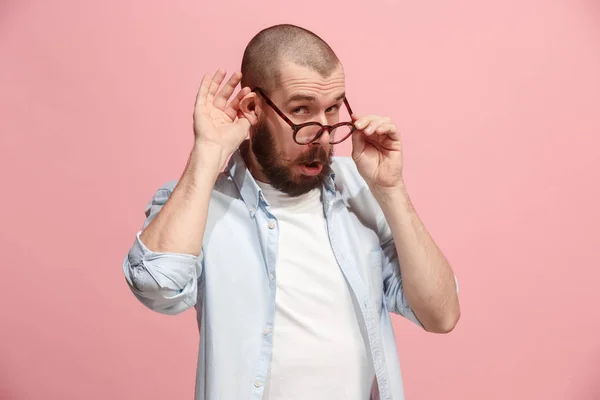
pixel 292 258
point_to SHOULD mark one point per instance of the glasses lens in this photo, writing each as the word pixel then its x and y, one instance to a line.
pixel 340 133
pixel 307 134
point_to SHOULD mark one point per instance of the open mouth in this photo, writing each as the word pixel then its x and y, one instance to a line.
pixel 311 168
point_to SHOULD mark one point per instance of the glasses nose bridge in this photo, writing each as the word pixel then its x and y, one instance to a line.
pixel 324 135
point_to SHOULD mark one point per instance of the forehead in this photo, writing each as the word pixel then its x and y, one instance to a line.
pixel 295 79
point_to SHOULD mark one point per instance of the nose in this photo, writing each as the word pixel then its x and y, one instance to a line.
pixel 323 139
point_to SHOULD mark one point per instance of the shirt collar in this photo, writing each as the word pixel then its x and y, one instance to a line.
pixel 244 181
pixel 330 182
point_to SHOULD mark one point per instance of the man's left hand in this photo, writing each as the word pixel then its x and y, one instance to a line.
pixel 377 152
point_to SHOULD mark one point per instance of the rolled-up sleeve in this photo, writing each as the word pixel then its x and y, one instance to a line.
pixel 392 280
pixel 164 282
pixel 392 283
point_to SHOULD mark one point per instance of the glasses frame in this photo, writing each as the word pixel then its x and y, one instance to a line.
pixel 297 127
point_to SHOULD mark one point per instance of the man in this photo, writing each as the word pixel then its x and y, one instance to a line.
pixel 292 258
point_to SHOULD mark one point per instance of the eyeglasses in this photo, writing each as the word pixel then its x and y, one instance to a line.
pixel 311 131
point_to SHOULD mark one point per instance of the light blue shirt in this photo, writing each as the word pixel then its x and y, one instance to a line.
pixel 232 283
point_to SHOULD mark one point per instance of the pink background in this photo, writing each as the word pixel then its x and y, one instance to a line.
pixel 499 104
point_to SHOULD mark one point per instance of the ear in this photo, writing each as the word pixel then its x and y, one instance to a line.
pixel 251 108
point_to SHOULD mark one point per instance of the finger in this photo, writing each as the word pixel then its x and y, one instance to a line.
pixel 225 93
pixel 203 90
pixel 386 129
pixel 243 122
pixel 373 126
pixel 214 85
pixel 362 122
pixel 233 107
pixel 358 145
pixel 369 126
pixel 365 119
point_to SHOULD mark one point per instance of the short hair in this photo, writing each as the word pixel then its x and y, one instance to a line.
pixel 272 46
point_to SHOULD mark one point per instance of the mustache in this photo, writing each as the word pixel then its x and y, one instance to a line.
pixel 315 154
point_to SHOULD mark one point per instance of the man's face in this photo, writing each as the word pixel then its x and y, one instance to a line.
pixel 303 96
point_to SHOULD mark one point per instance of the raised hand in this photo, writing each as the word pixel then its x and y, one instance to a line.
pixel 377 152
pixel 217 124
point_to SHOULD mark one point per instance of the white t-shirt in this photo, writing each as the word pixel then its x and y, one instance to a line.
pixel 319 350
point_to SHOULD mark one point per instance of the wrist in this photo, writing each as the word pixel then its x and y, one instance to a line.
pixel 203 167
pixel 393 200
pixel 392 193
pixel 208 158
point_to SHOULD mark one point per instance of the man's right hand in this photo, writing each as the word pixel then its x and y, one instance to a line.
pixel 219 128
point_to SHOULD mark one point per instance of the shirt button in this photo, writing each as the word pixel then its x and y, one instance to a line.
pixel 271 224
pixel 267 331
pixel 271 276
pixel 257 384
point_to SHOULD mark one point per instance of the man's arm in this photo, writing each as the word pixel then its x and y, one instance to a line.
pixel 163 281
pixel 179 226
pixel 428 282
pixel 162 266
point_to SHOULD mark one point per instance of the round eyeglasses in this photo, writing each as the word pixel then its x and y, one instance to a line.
pixel 310 132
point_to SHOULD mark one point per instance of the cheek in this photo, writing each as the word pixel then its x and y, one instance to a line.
pixel 284 139
pixel 291 151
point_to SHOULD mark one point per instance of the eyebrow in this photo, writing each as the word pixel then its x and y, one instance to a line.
pixel 309 98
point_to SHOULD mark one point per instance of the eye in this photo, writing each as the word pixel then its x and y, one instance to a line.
pixel 333 108
pixel 300 110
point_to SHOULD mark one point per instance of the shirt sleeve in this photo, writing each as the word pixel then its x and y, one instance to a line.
pixel 164 282
pixel 392 284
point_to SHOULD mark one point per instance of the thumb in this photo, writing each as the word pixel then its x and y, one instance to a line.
pixel 358 144
pixel 243 121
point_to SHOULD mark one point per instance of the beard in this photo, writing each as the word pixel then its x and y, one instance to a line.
pixel 280 172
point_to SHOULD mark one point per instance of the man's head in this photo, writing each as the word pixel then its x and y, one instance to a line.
pixel 304 79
